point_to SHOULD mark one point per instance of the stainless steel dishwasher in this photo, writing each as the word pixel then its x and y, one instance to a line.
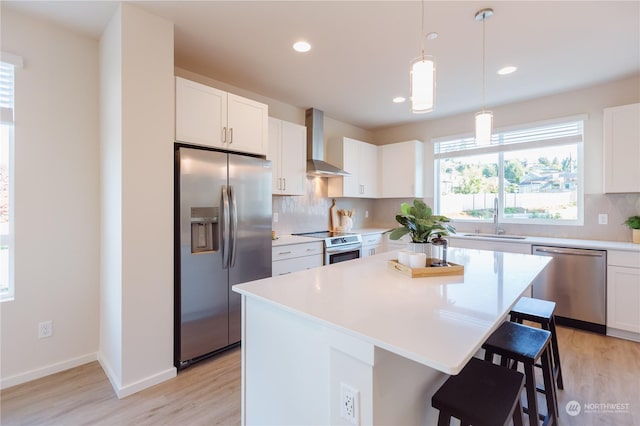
pixel 576 280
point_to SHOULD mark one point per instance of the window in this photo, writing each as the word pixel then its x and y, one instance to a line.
pixel 534 173
pixel 7 67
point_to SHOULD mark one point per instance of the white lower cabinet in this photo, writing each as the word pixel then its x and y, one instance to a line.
pixel 623 295
pixel 295 257
pixel 371 244
pixel 503 246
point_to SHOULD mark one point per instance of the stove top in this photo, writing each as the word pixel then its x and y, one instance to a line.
pixel 334 239
pixel 324 234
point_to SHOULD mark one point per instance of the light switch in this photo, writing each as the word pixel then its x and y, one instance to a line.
pixel 603 219
pixel 275 217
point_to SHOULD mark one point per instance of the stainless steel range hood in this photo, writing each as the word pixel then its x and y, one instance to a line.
pixel 316 166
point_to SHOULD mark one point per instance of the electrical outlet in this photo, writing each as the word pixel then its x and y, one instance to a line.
pixel 45 329
pixel 349 404
pixel 275 218
pixel 603 219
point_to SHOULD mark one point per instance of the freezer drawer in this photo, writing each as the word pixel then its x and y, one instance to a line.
pixel 576 281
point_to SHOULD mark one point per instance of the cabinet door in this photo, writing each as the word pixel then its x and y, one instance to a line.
pixel 622 148
pixel 282 267
pixel 490 245
pixel 402 170
pixel 293 158
pixel 274 154
pixel 350 184
pixel 368 170
pixel 247 122
pixel 623 298
pixel 201 113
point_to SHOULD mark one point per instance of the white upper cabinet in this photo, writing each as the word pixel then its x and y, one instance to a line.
pixel 212 117
pixel 622 148
pixel 288 152
pixel 361 160
pixel 401 166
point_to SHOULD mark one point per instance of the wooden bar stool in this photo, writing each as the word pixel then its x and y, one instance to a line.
pixel 541 312
pixel 483 394
pixel 520 343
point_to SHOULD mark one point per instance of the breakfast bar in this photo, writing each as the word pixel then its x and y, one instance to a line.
pixel 362 328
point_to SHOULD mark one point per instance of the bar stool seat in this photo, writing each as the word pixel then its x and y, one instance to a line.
pixel 541 312
pixel 520 343
pixel 483 394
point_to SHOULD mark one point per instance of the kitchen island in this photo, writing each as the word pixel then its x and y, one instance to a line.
pixel 391 339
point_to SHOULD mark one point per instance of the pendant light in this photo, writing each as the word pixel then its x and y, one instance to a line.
pixel 422 75
pixel 484 119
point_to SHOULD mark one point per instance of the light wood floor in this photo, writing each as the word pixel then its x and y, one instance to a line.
pixel 597 370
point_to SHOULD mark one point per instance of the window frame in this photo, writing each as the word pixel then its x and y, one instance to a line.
pixel 7 117
pixel 497 147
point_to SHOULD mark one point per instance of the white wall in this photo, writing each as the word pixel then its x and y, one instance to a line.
pixel 590 100
pixel 57 213
pixel 136 347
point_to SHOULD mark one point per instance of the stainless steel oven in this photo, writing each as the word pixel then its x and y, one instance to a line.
pixel 338 247
pixel 342 253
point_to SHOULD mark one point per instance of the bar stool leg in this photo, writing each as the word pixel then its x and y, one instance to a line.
pixel 556 352
pixel 444 419
pixel 517 414
pixel 532 402
pixel 549 386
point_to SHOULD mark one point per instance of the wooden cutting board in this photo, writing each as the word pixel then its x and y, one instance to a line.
pixel 333 216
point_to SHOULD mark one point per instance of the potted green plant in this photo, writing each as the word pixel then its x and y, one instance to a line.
pixel 420 223
pixel 633 222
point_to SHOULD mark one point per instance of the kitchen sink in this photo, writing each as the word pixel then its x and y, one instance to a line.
pixel 502 236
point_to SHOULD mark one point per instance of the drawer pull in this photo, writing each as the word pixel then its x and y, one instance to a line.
pixel 285 252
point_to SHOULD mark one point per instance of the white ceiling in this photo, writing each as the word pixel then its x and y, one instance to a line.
pixel 362 49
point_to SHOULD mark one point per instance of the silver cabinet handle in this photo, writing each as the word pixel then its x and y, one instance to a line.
pixel 284 187
pixel 231 135
pixel 285 252
pixel 224 135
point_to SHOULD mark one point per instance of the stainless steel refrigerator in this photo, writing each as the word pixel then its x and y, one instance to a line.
pixel 223 237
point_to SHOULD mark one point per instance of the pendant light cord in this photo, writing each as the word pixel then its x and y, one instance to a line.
pixel 484 19
pixel 422 30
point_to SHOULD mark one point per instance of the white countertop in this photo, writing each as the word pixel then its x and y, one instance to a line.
pixel 559 242
pixel 440 322
pixel 284 240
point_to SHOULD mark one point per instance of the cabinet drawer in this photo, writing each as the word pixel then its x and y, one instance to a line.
pixel 623 258
pixel 371 239
pixel 281 267
pixel 296 250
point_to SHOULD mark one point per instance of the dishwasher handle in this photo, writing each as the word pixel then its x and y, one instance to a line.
pixel 568 251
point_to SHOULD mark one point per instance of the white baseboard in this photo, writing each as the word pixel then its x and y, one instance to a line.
pixel 623 334
pixel 130 389
pixel 46 370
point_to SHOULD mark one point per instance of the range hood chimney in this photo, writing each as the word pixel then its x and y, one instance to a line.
pixel 316 166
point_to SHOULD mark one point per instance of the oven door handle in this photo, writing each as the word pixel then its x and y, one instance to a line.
pixel 340 249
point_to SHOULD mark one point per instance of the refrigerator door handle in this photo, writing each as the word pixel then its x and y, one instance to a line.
pixel 225 228
pixel 233 213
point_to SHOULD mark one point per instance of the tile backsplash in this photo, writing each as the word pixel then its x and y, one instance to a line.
pixel 310 212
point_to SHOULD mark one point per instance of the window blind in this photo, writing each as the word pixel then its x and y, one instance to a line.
pixel 6 92
pixel 548 134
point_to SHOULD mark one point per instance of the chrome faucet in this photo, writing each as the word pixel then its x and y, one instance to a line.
pixel 497 229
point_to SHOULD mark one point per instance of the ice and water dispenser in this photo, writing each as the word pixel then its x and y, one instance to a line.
pixel 204 229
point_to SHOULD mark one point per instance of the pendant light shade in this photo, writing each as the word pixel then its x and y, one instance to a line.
pixel 484 123
pixel 484 119
pixel 423 73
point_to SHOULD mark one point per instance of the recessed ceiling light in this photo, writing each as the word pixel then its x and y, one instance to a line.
pixel 301 46
pixel 432 36
pixel 398 99
pixel 507 70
